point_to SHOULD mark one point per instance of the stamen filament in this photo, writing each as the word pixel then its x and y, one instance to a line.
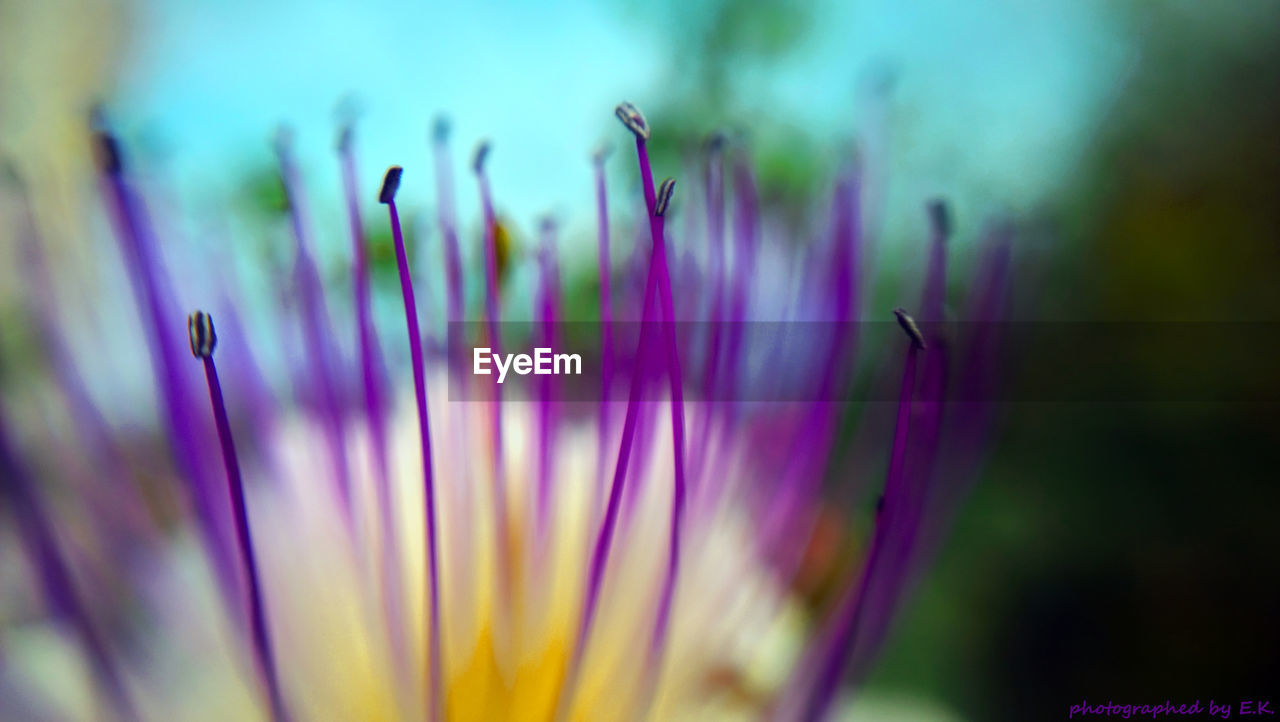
pixel 203 341
pixel 20 494
pixel 435 659
pixel 549 316
pixel 935 287
pixel 85 414
pixel 152 295
pixel 504 568
pixel 375 414
pixel 726 384
pixel 370 356
pixel 447 219
pixel 657 283
pixel 746 230
pixel 714 189
pixel 315 327
pixel 492 309
pixel 657 203
pixel 842 630
pixel 606 323
pixel 604 538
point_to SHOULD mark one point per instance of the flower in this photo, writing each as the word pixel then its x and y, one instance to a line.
pixel 377 550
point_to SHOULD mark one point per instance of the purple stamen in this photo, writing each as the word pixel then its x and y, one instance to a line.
pixel 492 309
pixel 657 283
pixel 912 507
pixel 840 635
pixel 924 504
pixel 322 354
pixel 908 502
pixel 658 203
pixel 910 512
pixel 370 364
pixel 604 538
pixel 606 320
pixel 746 243
pixel 677 405
pixel 435 656
pixel 549 316
pixel 714 189
pixel 971 418
pixel 935 287
pixel 909 507
pixel 370 355
pixel 792 496
pixel 152 295
pixel 725 385
pixel 203 341
pixel 446 218
pixel 17 489
pixel 84 412
pixel 493 314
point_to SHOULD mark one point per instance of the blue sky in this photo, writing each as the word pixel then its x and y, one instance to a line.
pixel 995 100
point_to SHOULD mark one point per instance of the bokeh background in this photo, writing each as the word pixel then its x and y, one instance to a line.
pixel 1114 549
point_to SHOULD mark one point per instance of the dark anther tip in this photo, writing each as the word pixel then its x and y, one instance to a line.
pixel 106 151
pixel 631 117
pixel 345 136
pixel 940 217
pixel 908 325
pixel 282 140
pixel 664 196
pixel 390 184
pixel 440 128
pixel 200 331
pixel 482 154
pixel 716 142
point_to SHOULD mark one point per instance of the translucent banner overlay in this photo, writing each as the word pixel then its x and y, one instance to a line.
pixel 1018 362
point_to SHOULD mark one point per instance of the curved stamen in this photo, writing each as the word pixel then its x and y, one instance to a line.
pixel 493 312
pixel 84 411
pixel 435 659
pixel 548 306
pixel 935 285
pixel 36 531
pixel 153 294
pixel 446 218
pixel 838 641
pixel 657 204
pixel 322 353
pixel 606 321
pixel 714 191
pixel 657 284
pixel 375 414
pixel 791 504
pixel 203 341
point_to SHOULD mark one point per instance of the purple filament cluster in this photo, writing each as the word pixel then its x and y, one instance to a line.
pixel 933 455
